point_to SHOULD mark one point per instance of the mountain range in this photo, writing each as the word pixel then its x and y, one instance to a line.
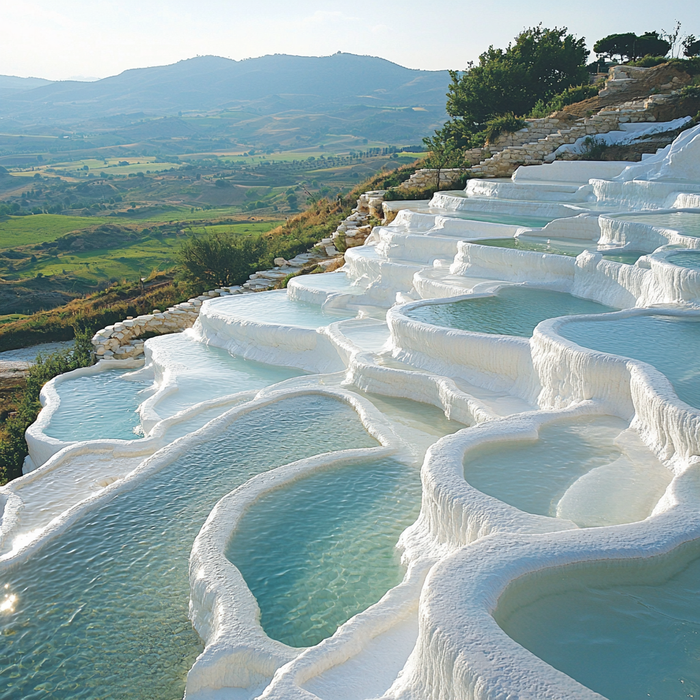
pixel 266 85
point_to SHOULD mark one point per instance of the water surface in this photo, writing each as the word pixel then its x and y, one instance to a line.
pixel 98 406
pixel 585 470
pixel 686 258
pixel 668 343
pixel 686 223
pixel 624 642
pixel 323 549
pixel 101 611
pixel 512 311
pixel 277 307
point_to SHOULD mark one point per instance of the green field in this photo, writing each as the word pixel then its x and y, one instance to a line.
pixel 242 227
pixel 133 260
pixel 39 228
pixel 184 214
pixel 128 262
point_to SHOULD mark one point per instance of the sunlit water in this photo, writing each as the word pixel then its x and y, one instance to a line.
pixel 512 311
pixel 329 282
pixel 668 343
pixel 684 222
pixel 98 406
pixel 276 307
pixel 686 258
pixel 624 641
pixel 323 549
pixel 493 218
pixel 577 469
pixel 101 611
pixel 204 372
pixel 557 246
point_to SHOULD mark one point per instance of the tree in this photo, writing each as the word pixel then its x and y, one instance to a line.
pixel 538 65
pixel 217 259
pixel 443 154
pixel 629 46
pixel 651 44
pixel 691 46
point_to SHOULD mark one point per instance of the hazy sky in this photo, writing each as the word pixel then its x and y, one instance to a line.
pixel 59 39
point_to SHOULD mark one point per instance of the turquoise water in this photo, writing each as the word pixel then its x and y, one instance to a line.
pixel 686 258
pixel 512 311
pixel 684 222
pixel 276 307
pixel 508 219
pixel 98 406
pixel 331 282
pixel 546 245
pixel 533 476
pixel 668 343
pixel 101 611
pixel 624 642
pixel 204 372
pixel 626 258
pixel 555 246
pixel 585 470
pixel 323 549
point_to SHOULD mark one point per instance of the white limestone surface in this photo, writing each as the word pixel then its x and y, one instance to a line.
pixel 471 558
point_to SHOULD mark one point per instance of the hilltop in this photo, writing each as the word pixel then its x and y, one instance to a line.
pixel 268 85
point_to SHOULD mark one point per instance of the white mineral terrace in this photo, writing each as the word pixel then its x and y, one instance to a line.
pixel 502 385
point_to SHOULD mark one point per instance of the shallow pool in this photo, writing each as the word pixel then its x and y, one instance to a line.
pixel 668 343
pixel 98 406
pixel 329 282
pixel 624 641
pixel 202 372
pixel 323 549
pixel 558 246
pixel 495 218
pixel 101 611
pixel 277 307
pixel 686 258
pixel 512 311
pixel 686 223
pixel 589 470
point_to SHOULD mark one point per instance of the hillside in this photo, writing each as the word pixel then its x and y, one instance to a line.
pixel 11 85
pixel 266 85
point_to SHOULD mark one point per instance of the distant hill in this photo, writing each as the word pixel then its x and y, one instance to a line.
pixel 266 85
pixel 10 84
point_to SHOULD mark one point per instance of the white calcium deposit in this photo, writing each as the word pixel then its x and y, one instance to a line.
pixel 350 334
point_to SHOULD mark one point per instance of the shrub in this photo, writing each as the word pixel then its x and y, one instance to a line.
pixel 218 259
pixel 396 195
pixel 569 96
pixel 594 149
pixel 508 123
pixel 13 446
pixel 648 61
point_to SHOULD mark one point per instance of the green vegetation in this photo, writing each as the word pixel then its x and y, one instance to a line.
pixel 41 228
pixel 567 97
pixel 629 46
pixel 691 46
pixel 97 310
pixel 13 447
pixel 540 64
pixel 219 258
pixel 508 123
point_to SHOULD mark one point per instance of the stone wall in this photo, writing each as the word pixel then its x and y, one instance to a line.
pixel 537 151
pixel 124 341
pixel 426 178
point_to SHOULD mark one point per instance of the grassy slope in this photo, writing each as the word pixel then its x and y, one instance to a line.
pixel 39 228
pixel 131 260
